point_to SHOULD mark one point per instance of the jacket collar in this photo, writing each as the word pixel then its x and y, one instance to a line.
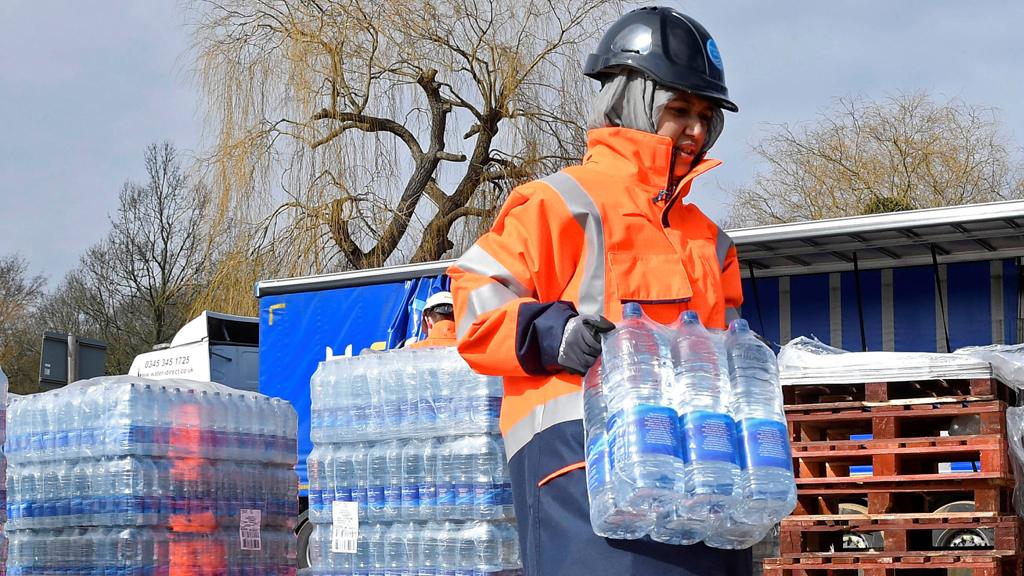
pixel 642 156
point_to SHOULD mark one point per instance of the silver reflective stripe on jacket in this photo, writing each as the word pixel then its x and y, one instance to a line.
pixel 586 214
pixel 506 287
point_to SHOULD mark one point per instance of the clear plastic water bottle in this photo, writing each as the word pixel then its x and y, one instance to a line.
pixel 510 559
pixel 328 480
pixel 443 390
pixel 162 426
pixel 393 485
pixel 407 385
pixel 396 549
pixel 702 399
pixel 449 542
pixel 377 480
pixel 426 365
pixel 606 518
pixel 488 478
pixel 318 398
pixel 483 405
pixel 767 485
pixel 413 477
pixel 148 421
pixel 344 472
pixel 480 546
pixel 643 432
pixel 446 479
pixel 370 398
pixel 314 471
pixel 462 468
pixel 378 550
pixel 428 486
pixel 429 548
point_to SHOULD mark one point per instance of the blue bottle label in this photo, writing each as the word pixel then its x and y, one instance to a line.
pixel 709 437
pixel 428 494
pixel 428 412
pixel 342 494
pixel 375 497
pixel 445 495
pixel 393 496
pixel 486 494
pixel 763 443
pixel 598 470
pixel 646 429
pixel 411 496
pixel 463 494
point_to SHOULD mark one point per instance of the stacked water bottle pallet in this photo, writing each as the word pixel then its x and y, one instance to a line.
pixel 3 472
pixel 686 436
pixel 926 465
pixel 408 471
pixel 129 476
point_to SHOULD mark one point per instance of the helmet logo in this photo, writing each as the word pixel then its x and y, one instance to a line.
pixel 716 57
pixel 635 39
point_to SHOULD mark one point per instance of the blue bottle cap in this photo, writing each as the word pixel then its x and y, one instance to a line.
pixel 690 317
pixel 632 310
pixel 739 325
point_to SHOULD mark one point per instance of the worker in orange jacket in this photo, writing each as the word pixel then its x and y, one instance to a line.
pixel 534 294
pixel 438 322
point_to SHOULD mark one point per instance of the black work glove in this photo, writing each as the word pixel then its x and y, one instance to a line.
pixel 581 342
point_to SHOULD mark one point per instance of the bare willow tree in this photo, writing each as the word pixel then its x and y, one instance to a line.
pixel 862 157
pixel 357 133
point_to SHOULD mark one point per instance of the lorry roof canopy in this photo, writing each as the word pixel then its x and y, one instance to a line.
pixel 974 232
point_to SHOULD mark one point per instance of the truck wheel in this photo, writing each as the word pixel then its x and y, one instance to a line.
pixel 859 540
pixel 303 531
pixel 961 537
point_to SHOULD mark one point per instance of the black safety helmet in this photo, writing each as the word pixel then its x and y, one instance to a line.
pixel 670 47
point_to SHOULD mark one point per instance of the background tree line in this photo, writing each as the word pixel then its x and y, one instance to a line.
pixel 348 134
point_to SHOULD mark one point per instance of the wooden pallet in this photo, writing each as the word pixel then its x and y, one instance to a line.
pixel 899 534
pixel 932 564
pixel 920 457
pixel 904 453
pixel 906 494
pixel 889 420
pixel 966 389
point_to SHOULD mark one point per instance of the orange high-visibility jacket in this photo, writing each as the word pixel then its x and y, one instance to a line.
pixel 442 334
pixel 586 240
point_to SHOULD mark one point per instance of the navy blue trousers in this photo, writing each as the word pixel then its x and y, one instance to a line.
pixel 554 522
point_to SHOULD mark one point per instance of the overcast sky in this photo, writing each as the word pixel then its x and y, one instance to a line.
pixel 85 86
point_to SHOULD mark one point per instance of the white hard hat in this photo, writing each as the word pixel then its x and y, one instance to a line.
pixel 437 299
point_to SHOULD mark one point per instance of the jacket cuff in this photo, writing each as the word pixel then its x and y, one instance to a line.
pixel 539 329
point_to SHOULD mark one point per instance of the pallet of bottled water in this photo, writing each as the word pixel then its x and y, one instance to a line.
pixel 123 475
pixel 3 471
pixel 408 472
pixel 686 436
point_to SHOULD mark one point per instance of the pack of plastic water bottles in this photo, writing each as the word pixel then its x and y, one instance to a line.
pixel 123 475
pixel 3 471
pixel 408 472
pixel 686 435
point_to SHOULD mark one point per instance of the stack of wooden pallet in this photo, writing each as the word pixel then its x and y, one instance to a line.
pixel 884 489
